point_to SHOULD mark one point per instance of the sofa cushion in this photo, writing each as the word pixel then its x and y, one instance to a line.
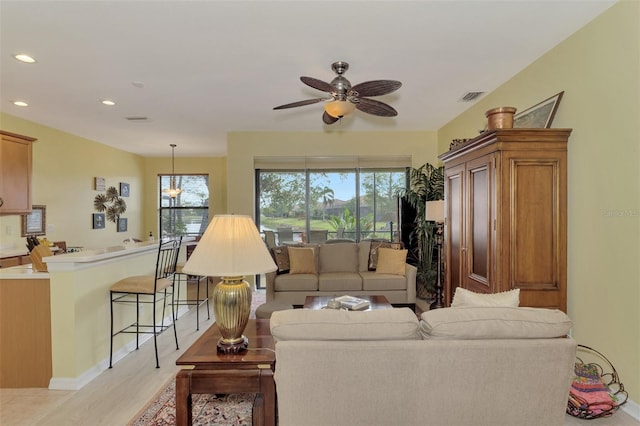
pixel 302 260
pixel 463 297
pixel 373 282
pixel 391 261
pixel 364 247
pixel 374 251
pixel 489 322
pixel 280 255
pixel 339 281
pixel 342 257
pixel 296 282
pixel 331 324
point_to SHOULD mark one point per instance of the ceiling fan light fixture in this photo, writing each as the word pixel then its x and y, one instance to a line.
pixel 339 109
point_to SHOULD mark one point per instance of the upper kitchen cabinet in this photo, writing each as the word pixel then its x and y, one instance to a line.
pixel 15 173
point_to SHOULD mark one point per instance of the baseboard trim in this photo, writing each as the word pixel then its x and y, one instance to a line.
pixel 632 408
pixel 76 383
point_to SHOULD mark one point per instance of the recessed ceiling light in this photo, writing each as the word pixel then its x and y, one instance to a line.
pixel 20 103
pixel 24 58
pixel 108 102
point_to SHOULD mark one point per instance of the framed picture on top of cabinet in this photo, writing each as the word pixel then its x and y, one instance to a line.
pixel 124 189
pixel 34 223
pixel 538 116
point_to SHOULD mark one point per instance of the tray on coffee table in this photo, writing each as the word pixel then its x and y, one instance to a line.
pixel 320 302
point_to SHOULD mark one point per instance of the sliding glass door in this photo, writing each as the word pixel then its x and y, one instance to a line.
pixel 327 204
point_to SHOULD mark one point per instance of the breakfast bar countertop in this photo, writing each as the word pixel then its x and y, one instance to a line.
pixel 80 259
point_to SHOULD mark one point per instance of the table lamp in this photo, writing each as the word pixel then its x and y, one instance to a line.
pixel 231 248
pixel 435 212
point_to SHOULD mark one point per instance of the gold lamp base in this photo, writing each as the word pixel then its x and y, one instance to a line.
pixel 231 307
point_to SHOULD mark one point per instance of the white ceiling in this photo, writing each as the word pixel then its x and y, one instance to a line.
pixel 210 67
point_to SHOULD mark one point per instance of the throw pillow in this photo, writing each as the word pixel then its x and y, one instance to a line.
pixel 280 255
pixel 463 297
pixel 373 251
pixel 391 261
pixel 302 260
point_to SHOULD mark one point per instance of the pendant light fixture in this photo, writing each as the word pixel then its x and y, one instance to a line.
pixel 172 191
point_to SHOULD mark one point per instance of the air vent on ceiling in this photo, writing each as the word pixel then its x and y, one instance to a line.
pixel 135 118
pixel 471 96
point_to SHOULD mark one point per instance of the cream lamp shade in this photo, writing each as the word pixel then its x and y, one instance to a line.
pixel 339 109
pixel 230 248
pixel 435 211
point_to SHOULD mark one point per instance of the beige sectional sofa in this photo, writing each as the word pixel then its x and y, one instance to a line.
pixel 454 366
pixel 340 268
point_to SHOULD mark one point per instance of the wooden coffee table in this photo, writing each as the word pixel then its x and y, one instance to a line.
pixel 204 370
pixel 375 302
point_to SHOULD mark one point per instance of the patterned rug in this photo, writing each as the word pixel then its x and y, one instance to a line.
pixel 209 410
pixel 233 409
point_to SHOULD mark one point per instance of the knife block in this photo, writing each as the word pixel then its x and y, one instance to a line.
pixel 36 256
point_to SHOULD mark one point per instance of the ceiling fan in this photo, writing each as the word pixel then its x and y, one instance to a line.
pixel 346 98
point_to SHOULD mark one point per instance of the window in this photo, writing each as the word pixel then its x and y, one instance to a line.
pixel 346 203
pixel 188 213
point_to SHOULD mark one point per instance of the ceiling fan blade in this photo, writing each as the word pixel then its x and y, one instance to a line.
pixel 300 103
pixel 374 107
pixel 376 87
pixel 317 84
pixel 328 119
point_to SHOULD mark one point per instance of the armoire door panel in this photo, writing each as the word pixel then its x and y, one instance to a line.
pixel 534 234
pixel 478 244
pixel 453 229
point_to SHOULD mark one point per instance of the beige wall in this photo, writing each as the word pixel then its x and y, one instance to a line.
pixel 64 166
pixel 242 147
pixel 598 68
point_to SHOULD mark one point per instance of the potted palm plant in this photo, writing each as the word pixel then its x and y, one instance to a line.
pixel 426 183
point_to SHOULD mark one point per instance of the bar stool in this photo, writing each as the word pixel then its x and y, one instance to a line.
pixel 197 302
pixel 148 289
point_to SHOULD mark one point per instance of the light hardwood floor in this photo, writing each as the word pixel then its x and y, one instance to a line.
pixel 118 394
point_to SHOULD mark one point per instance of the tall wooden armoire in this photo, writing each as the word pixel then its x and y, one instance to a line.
pixel 506 215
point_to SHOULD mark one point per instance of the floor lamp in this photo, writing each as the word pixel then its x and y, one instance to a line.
pixel 231 248
pixel 435 213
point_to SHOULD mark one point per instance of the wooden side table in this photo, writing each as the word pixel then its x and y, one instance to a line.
pixel 207 371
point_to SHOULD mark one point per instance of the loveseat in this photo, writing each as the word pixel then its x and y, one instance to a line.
pixel 364 268
pixel 453 366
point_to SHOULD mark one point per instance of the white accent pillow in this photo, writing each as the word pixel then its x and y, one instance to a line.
pixel 463 297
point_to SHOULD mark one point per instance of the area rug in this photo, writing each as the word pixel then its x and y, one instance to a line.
pixel 209 410
pixel 232 409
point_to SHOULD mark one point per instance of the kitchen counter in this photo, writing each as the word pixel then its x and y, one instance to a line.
pixel 76 288
pixel 22 272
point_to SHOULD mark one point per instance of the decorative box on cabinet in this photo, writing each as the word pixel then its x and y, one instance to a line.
pixel 506 215
pixel 15 173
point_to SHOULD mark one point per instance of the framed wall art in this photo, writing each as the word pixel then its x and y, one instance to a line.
pixel 122 224
pixel 124 189
pixel 99 183
pixel 98 220
pixel 35 223
pixel 538 116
